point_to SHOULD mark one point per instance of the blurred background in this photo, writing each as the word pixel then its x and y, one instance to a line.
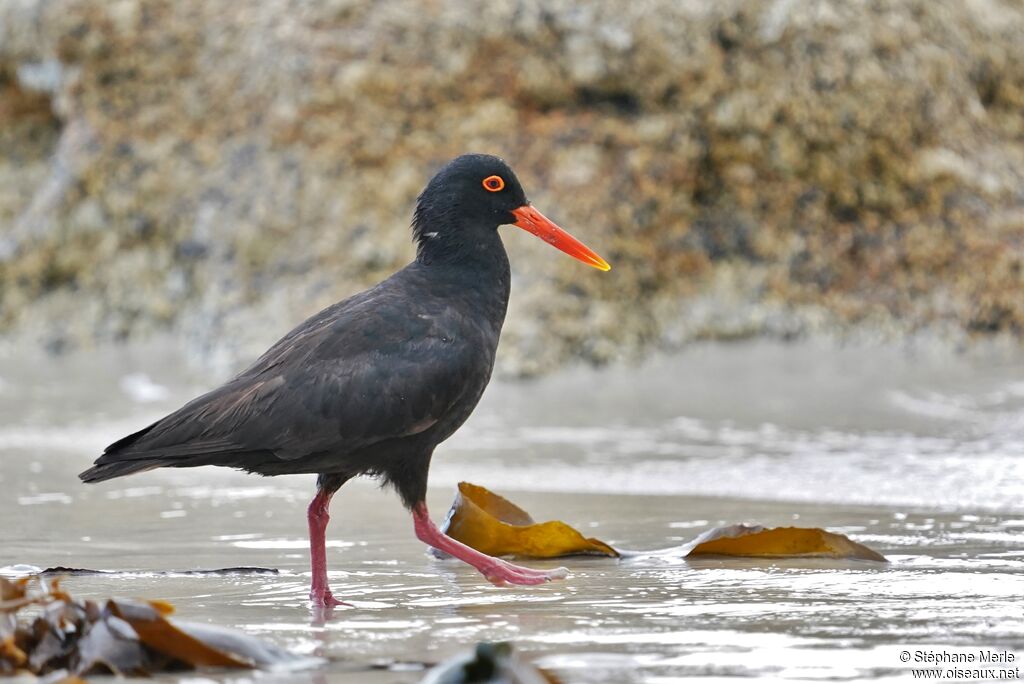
pixel 814 210
pixel 219 169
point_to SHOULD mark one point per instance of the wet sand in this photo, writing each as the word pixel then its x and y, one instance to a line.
pixel 919 459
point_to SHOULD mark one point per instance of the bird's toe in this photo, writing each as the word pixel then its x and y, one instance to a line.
pixel 558 573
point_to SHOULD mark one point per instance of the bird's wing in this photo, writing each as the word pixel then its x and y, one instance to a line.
pixel 338 383
pixel 322 406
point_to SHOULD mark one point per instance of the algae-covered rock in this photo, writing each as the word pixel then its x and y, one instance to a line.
pixel 222 169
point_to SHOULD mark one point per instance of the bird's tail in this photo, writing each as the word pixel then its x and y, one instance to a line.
pixel 115 462
pixel 112 469
pixel 139 452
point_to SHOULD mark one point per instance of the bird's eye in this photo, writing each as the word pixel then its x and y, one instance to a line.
pixel 494 183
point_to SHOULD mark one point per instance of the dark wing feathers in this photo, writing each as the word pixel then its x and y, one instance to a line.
pixel 365 370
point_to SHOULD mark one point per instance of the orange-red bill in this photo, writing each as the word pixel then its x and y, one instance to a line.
pixel 531 220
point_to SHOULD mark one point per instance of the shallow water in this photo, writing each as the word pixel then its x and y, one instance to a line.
pixel 921 458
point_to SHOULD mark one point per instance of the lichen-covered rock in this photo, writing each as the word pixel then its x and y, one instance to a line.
pixel 748 166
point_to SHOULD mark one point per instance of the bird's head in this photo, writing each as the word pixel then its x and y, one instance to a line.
pixel 468 199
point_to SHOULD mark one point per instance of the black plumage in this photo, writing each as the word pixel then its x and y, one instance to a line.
pixel 372 384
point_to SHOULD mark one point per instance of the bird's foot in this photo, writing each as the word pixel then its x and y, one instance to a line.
pixel 502 573
pixel 325 599
pixel 497 571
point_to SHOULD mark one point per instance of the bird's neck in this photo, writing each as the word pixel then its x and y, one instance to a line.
pixel 476 270
pixel 464 250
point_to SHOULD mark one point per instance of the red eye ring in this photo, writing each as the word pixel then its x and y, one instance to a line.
pixel 494 183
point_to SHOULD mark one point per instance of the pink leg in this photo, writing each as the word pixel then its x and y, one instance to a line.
pixel 318 517
pixel 497 571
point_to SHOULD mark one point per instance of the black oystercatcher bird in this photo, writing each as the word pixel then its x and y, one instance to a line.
pixel 371 385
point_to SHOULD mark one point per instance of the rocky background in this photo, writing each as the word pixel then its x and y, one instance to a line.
pixel 221 169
